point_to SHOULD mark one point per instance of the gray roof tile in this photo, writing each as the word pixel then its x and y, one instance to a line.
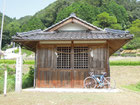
pixel 72 35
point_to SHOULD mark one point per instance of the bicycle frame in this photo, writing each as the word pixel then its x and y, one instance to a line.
pixel 100 81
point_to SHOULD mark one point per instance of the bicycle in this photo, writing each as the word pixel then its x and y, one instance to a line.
pixel 99 81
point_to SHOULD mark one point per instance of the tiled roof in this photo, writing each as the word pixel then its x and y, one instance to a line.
pixel 73 35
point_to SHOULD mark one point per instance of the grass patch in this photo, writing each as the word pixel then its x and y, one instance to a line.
pixel 134 87
pixel 124 63
pixel 112 63
pixel 24 51
pixel 29 62
pixel 7 61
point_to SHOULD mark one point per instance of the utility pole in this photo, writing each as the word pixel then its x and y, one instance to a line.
pixel 2 23
pixel 1 33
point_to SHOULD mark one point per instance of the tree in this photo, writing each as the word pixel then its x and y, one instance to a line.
pixel 13 28
pixel 118 11
pixel 104 20
pixel 33 24
pixel 82 9
pixel 134 29
pixel 132 7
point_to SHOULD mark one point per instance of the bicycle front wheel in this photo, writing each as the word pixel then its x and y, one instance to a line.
pixel 90 82
pixel 109 83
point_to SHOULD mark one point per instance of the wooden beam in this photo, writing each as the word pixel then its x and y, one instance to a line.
pixel 60 25
pixel 72 20
pixel 83 24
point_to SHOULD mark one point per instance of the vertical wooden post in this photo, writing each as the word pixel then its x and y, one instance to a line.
pixel 72 65
pixel 107 61
pixel 54 67
pixel 35 67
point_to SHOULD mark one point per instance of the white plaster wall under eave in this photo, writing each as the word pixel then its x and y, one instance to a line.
pixel 72 27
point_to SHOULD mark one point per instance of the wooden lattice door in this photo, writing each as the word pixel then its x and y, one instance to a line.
pixel 64 67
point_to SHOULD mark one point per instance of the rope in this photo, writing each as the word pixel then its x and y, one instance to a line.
pixel 73 53
pixel 78 52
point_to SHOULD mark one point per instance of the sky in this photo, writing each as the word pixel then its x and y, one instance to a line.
pixel 20 8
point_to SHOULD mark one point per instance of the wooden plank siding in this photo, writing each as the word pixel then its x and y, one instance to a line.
pixel 49 76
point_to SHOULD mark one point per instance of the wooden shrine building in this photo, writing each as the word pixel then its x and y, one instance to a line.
pixel 67 51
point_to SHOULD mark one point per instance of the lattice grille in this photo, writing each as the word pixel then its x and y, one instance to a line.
pixel 63 60
pixel 80 59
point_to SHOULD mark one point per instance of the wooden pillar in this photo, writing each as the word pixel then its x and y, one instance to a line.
pixel 35 68
pixel 72 65
pixel 107 61
pixel 54 67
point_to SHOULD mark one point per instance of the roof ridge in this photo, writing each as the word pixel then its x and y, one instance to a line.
pixel 109 30
pixel 29 32
pixel 73 15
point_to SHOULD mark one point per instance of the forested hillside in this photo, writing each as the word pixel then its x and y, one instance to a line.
pixel 116 14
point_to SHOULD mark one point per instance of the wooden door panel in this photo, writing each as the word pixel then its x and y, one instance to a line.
pixel 61 78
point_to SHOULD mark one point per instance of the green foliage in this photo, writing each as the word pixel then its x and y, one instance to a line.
pixel 13 27
pixel 6 20
pixel 6 35
pixel 33 24
pixel 83 10
pixel 24 20
pixel 97 3
pixel 132 7
pixel 29 62
pixel 134 29
pixel 118 11
pixel 10 78
pixel 8 61
pixel 104 20
pixel 49 14
pixel 24 51
pixel 28 79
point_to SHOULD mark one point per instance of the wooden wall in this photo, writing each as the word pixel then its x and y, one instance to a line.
pixel 49 76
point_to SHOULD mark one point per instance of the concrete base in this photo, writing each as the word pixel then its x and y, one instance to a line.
pixel 74 90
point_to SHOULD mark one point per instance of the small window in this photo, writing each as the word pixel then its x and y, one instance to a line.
pixel 80 57
pixel 63 58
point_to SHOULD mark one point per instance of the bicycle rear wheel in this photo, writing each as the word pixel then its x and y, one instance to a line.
pixel 89 82
pixel 109 83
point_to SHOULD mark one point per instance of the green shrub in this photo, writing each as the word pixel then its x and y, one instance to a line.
pixel 10 78
pixel 28 79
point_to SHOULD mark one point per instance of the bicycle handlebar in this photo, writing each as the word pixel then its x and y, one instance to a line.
pixel 91 73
